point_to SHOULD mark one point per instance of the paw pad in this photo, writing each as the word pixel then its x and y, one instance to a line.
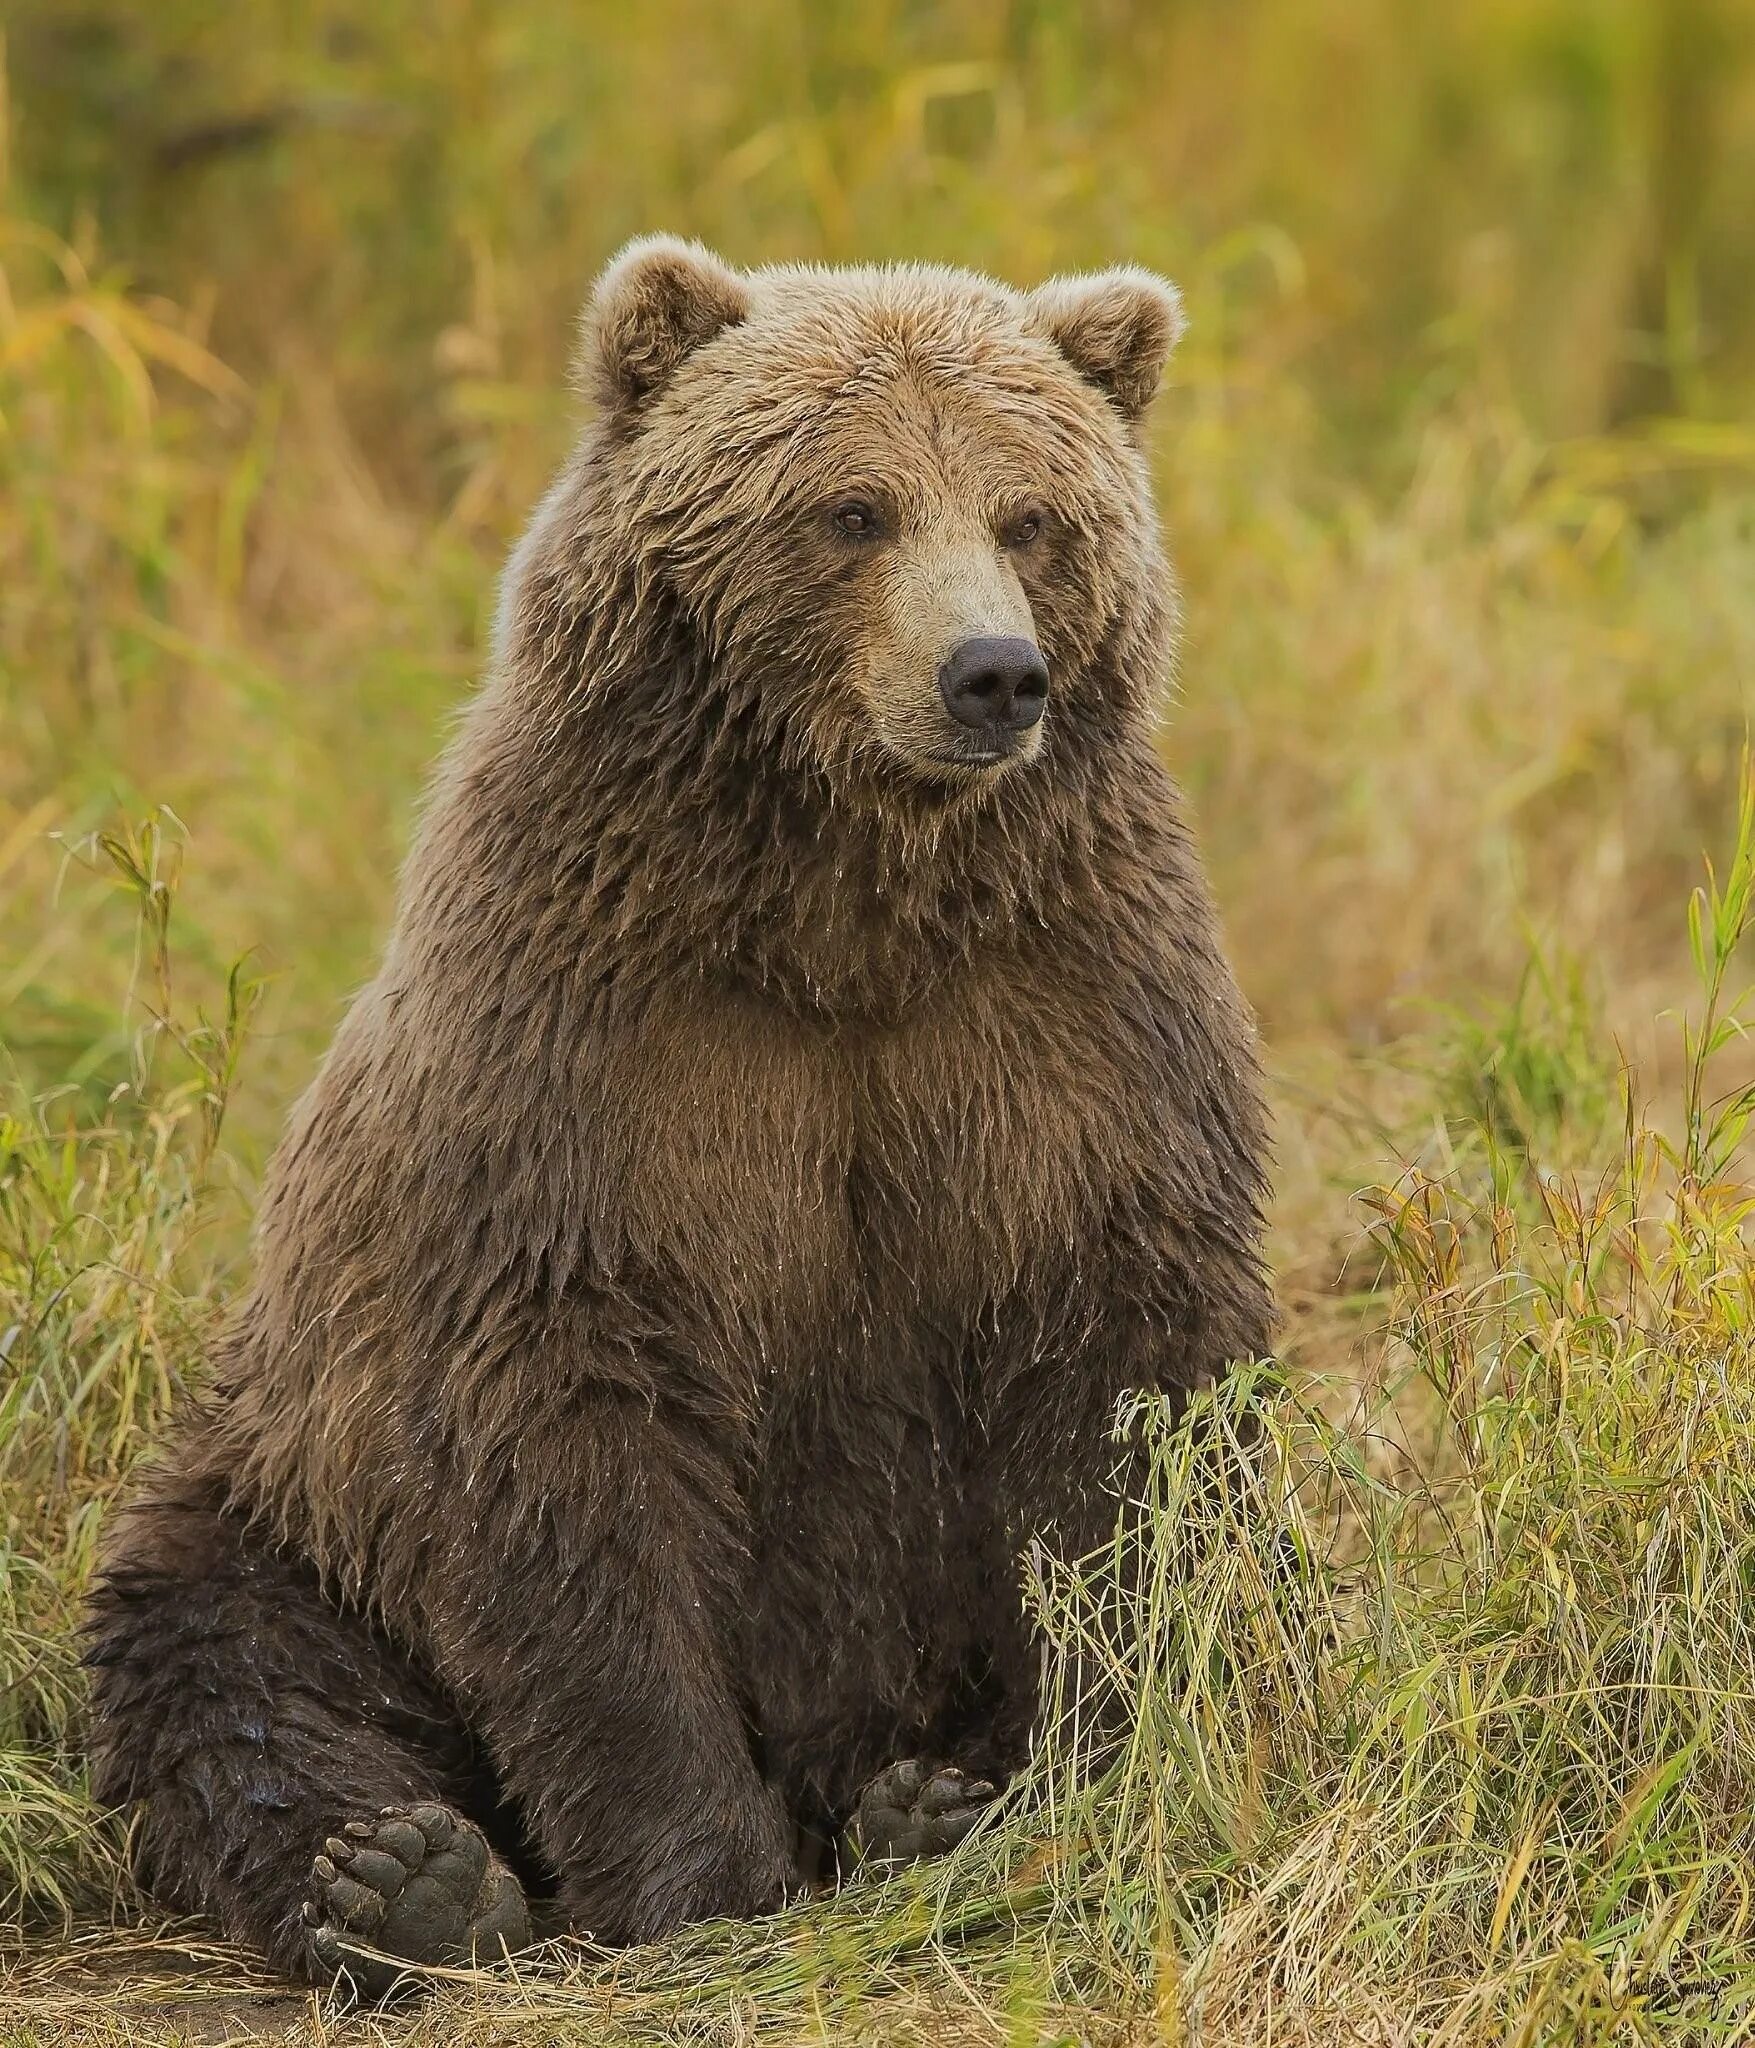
pixel 421 1885
pixel 911 1811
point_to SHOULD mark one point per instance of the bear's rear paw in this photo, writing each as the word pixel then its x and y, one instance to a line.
pixel 911 1811
pixel 420 1884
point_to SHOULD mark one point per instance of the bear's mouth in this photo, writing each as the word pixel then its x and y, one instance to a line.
pixel 988 751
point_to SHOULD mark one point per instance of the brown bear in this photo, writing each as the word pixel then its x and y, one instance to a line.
pixel 802 1093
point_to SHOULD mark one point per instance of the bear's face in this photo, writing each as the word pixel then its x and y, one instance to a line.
pixel 904 509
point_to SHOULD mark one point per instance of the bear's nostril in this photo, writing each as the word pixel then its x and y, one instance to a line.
pixel 997 682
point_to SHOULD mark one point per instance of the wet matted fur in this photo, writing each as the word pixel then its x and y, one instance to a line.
pixel 718 1237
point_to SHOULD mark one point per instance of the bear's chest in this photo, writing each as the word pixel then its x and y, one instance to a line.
pixel 811 1181
pixel 985 1146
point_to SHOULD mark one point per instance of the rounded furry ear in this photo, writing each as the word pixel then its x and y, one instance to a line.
pixel 1116 328
pixel 653 306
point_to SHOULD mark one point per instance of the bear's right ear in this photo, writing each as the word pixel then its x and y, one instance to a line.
pixel 654 305
pixel 1116 328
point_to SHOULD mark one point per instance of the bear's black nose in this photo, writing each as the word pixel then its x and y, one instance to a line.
pixel 997 683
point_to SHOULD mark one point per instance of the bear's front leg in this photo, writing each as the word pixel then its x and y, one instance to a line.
pixel 586 1628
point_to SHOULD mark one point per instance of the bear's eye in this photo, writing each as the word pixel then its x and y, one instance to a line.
pixel 855 516
pixel 1026 528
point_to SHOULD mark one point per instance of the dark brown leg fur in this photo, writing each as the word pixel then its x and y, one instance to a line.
pixel 602 1677
pixel 254 1720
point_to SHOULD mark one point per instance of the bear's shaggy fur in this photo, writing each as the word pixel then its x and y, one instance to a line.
pixel 778 1133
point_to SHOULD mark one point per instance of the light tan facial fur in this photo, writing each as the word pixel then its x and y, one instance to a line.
pixel 881 466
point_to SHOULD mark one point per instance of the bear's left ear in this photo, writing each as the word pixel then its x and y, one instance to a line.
pixel 654 305
pixel 1116 328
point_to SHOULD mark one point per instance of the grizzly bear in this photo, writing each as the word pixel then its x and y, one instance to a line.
pixel 802 1094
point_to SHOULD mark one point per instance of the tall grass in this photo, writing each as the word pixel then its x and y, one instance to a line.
pixel 103 1299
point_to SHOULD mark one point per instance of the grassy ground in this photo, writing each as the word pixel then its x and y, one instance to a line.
pixel 1452 1738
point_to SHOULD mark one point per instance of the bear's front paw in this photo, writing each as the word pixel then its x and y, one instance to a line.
pixel 911 1811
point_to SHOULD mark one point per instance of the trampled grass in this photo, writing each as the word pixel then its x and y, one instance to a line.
pixel 1443 1722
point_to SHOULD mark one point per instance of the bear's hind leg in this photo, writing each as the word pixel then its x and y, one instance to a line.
pixel 298 1779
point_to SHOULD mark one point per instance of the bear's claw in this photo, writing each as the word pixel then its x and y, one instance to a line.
pixel 421 1885
pixel 911 1811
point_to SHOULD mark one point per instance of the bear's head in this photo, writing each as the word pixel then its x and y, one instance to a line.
pixel 903 511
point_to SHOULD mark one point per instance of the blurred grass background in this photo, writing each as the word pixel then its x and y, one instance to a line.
pixel 1457 461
